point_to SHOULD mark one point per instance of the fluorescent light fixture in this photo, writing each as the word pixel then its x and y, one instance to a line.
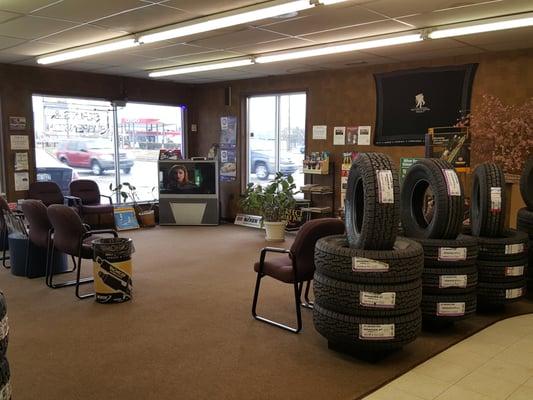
pixel 341 48
pixel 495 25
pixel 329 2
pixel 189 69
pixel 87 51
pixel 224 20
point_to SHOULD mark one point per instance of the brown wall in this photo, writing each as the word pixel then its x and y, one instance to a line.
pixel 18 83
pixel 343 98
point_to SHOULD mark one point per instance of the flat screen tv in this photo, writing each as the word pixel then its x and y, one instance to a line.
pixel 187 177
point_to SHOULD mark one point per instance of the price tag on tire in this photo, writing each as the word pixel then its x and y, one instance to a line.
pixel 495 199
pixel 385 187
pixel 376 331
pixel 452 182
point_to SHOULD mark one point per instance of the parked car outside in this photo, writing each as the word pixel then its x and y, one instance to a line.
pixel 263 164
pixel 95 154
pixel 49 169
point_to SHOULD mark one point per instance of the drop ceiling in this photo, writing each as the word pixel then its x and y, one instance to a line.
pixel 29 28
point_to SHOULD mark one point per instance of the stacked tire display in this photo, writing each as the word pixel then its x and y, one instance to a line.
pixel 502 260
pixel 5 386
pixel 367 284
pixel 432 214
pixel 525 215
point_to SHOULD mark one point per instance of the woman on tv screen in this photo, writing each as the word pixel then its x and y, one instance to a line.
pixel 178 179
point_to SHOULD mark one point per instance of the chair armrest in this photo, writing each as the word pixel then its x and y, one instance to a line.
pixel 72 201
pixel 100 231
pixel 265 250
pixel 107 197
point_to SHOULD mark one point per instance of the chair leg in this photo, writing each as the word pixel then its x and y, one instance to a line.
pixel 50 275
pixel 307 303
pixel 4 241
pixel 27 264
pixel 297 294
pixel 81 281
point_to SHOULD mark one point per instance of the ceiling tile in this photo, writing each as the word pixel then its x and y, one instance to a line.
pixel 358 31
pixel 427 45
pixel 81 35
pixel 205 7
pixel 29 27
pixel 204 57
pixel 151 16
pixel 523 35
pixel 168 51
pixel 480 11
pixel 34 48
pixel 74 10
pixel 239 38
pixel 9 42
pixel 5 15
pixel 395 8
pixel 326 19
pixel 441 53
pixel 24 6
pixel 81 66
pixel 274 45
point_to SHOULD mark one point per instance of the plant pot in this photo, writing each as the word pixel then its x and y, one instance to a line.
pixel 147 218
pixel 275 231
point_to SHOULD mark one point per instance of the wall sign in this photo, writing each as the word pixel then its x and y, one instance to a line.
pixel 20 142
pixel 17 123
pixel 320 132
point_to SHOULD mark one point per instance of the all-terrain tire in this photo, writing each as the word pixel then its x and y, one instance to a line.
pixel 356 331
pixel 488 207
pixel 448 307
pixel 334 258
pixel 450 280
pixel 447 215
pixel 524 221
pixel 372 202
pixel 502 271
pixel 511 246
pixel 367 299
pixel 500 293
pixel 5 377
pixel 450 252
pixel 526 183
pixel 4 326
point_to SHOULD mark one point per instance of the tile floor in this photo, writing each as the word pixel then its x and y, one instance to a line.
pixel 496 363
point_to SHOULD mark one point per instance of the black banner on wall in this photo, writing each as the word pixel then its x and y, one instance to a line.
pixel 409 102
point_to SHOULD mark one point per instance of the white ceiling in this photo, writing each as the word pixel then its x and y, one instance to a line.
pixel 29 28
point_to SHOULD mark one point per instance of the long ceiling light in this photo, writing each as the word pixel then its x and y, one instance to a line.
pixel 488 26
pixel 224 20
pixel 189 69
pixel 341 48
pixel 86 51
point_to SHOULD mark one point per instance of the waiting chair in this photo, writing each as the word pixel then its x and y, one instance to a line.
pixel 47 192
pixel 72 237
pixel 296 266
pixel 88 197
pixel 3 230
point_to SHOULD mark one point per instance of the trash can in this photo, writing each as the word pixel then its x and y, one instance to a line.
pixel 112 269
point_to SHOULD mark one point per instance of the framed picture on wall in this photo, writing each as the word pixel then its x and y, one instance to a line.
pixel 411 101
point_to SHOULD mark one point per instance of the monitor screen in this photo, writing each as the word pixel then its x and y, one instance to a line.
pixel 185 177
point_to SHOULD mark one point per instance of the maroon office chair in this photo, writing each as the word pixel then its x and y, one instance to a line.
pixel 296 266
pixel 3 231
pixel 89 203
pixel 47 192
pixel 72 237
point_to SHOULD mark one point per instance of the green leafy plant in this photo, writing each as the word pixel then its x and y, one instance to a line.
pixel 129 192
pixel 273 201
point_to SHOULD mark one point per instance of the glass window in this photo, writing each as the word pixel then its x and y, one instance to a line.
pixel 276 136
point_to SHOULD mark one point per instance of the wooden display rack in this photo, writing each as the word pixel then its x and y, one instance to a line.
pixel 323 168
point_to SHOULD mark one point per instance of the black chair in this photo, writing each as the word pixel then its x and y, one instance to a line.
pixel 74 238
pixel 295 266
pixel 3 230
pixel 90 207
pixel 47 192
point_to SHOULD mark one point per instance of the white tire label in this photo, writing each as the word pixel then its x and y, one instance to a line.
pixel 514 293
pixel 514 248
pixel 376 331
pixel 360 264
pixel 514 271
pixel 495 199
pixel 385 187
pixel 452 254
pixel 451 309
pixel 447 281
pixel 377 300
pixel 4 328
pixel 452 182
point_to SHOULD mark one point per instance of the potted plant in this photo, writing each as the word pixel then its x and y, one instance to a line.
pixel 146 217
pixel 273 202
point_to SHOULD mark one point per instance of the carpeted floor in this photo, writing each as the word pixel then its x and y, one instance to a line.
pixel 188 333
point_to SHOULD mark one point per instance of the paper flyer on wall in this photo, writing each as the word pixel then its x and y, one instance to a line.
pixel 339 135
pixel 228 148
pixel 320 132
pixel 22 181
pixel 351 134
pixel 21 162
pixel 363 136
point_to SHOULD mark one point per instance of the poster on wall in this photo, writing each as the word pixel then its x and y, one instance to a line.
pixel 363 135
pixel 339 135
pixel 320 132
pixel 21 162
pixel 19 142
pixel 22 181
pixel 351 134
pixel 228 148
pixel 411 101
pixel 17 123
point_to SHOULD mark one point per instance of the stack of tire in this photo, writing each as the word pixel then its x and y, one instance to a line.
pixel 367 284
pixel 5 386
pixel 502 259
pixel 432 213
pixel 525 215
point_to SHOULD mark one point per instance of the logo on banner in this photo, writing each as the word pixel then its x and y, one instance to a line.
pixel 420 104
